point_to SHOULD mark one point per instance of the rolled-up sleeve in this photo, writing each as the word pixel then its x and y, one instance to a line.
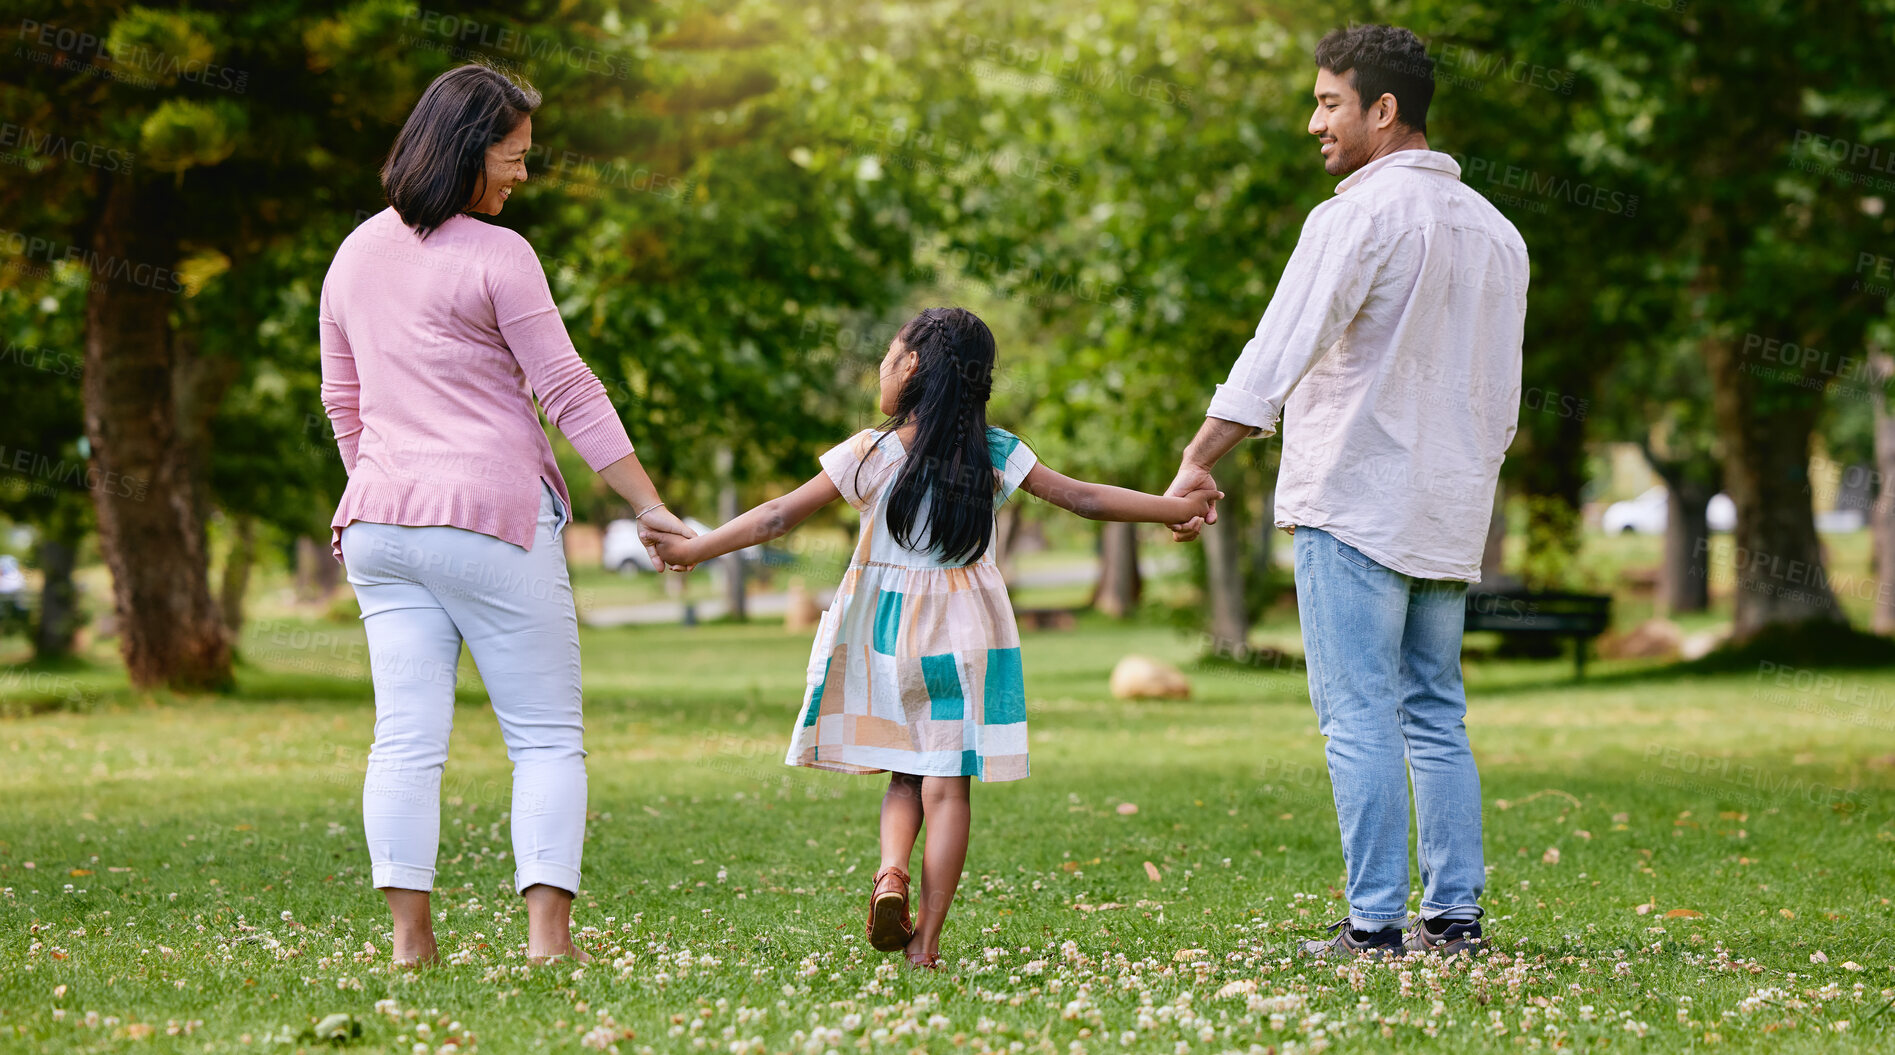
pixel 341 385
pixel 571 394
pixel 1323 287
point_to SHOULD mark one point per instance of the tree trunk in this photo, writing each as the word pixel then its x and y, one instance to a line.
pixel 58 601
pixel 236 581
pixel 1493 553
pixel 1266 537
pixel 736 601
pixel 1119 582
pixel 1684 576
pixel 1882 513
pixel 143 478
pixel 1006 528
pixel 1779 559
pixel 1229 614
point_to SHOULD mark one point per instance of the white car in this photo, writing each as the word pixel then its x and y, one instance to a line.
pixel 622 552
pixel 1646 514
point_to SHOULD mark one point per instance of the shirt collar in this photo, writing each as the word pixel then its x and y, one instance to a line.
pixel 1421 159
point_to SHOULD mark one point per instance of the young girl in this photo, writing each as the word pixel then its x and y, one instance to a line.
pixel 916 666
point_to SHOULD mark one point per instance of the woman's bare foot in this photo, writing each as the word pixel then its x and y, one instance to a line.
pixel 549 926
pixel 414 928
pixel 572 952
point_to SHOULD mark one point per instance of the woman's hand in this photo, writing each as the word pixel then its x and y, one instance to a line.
pixel 677 551
pixel 661 525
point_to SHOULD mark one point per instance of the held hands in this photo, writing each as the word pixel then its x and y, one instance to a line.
pixel 1202 503
pixel 1192 481
pixel 675 551
pixel 661 530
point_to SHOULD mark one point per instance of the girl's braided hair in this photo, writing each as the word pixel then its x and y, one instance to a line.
pixel 949 476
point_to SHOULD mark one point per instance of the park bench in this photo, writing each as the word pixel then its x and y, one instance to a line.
pixel 1579 616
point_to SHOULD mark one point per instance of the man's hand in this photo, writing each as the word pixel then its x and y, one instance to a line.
pixel 1191 477
pixel 658 524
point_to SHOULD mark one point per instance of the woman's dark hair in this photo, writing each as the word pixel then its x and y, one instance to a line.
pixel 1387 60
pixel 949 468
pixel 439 162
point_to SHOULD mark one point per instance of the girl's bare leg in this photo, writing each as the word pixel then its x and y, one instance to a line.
pixel 901 820
pixel 414 927
pixel 944 802
pixel 549 924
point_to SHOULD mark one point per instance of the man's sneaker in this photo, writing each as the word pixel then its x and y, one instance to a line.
pixel 1458 938
pixel 1345 945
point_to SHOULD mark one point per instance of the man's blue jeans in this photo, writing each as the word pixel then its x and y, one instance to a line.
pixel 1384 653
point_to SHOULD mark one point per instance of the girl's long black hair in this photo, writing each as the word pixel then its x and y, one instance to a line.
pixel 948 469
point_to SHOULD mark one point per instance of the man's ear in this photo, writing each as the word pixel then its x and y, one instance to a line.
pixel 1386 109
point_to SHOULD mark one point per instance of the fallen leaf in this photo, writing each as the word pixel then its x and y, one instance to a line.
pixel 1786 913
pixel 1683 913
pixel 1069 866
pixel 1151 872
pixel 1237 988
pixel 1818 957
pixel 1187 955
pixel 1621 818
pixel 1551 856
pixel 81 872
pixel 1107 907
pixel 1644 909
pixel 1126 809
pixel 1582 833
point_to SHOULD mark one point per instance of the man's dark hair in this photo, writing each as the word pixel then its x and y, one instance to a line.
pixel 439 161
pixel 1387 60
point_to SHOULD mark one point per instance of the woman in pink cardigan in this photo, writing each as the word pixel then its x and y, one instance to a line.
pixel 438 333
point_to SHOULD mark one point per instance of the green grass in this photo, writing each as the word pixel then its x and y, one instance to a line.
pixel 169 837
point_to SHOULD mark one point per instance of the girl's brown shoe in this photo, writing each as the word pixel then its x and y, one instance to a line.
pixel 890 926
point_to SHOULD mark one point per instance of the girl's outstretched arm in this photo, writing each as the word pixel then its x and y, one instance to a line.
pixel 772 519
pixel 1106 502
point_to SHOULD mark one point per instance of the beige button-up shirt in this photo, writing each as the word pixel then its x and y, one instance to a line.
pixel 1392 350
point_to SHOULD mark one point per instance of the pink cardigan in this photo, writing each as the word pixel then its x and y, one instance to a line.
pixel 432 353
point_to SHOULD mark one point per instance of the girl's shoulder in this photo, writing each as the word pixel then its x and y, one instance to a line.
pixel 1002 444
pixel 859 464
pixel 1011 458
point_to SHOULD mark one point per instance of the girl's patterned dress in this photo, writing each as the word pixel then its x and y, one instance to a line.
pixel 916 665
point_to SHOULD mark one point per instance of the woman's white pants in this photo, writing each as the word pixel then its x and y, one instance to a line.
pixel 424 590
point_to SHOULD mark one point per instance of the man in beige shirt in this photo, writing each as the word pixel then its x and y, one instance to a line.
pixel 1391 349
